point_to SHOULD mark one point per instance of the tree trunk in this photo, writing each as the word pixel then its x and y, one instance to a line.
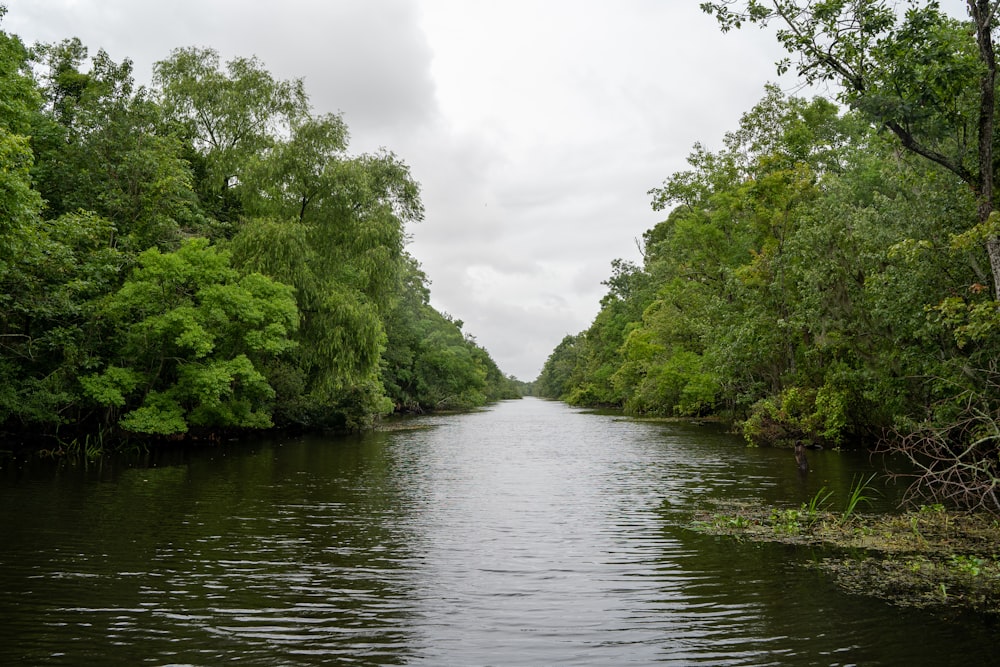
pixel 993 249
pixel 981 12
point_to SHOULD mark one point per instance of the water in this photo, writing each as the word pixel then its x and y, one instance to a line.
pixel 527 534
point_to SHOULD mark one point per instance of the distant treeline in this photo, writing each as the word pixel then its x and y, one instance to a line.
pixel 205 256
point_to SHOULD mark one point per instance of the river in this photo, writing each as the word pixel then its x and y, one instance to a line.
pixel 529 533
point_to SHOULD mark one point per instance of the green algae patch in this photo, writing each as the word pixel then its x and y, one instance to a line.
pixel 924 558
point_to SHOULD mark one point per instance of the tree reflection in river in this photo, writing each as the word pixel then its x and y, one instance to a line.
pixel 529 533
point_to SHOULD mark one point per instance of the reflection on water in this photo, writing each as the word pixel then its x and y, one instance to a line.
pixel 527 534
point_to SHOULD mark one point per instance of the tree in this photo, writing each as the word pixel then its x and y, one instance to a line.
pixel 291 180
pixel 49 295
pixel 337 237
pixel 102 147
pixel 206 255
pixel 930 81
pixel 557 376
pixel 301 210
pixel 194 334
pixel 927 78
pixel 231 116
pixel 19 203
pixel 428 364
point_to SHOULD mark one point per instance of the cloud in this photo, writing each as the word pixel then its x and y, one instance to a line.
pixel 369 60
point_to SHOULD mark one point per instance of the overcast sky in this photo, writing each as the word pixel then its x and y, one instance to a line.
pixel 535 128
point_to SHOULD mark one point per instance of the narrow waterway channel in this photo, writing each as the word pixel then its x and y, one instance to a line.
pixel 530 533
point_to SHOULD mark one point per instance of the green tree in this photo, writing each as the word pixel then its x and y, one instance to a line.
pixel 344 258
pixel 561 369
pixel 760 284
pixel 428 363
pixel 49 294
pixel 231 116
pixel 19 203
pixel 117 311
pixel 294 177
pixel 333 226
pixel 102 147
pixel 194 334
pixel 925 77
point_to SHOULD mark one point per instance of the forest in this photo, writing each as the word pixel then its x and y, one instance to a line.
pixel 204 256
pixel 829 273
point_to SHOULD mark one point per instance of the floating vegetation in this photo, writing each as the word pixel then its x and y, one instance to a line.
pixel 390 426
pixel 925 558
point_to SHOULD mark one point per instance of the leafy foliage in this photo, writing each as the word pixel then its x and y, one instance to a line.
pixel 190 327
pixel 809 282
pixel 429 363
pixel 928 79
pixel 205 256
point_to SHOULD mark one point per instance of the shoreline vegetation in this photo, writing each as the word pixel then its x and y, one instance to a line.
pixel 92 445
pixel 929 557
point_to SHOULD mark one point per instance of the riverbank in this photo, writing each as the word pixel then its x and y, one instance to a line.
pixel 924 558
pixel 79 441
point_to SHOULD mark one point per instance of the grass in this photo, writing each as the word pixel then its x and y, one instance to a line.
pixel 859 489
pixel 817 504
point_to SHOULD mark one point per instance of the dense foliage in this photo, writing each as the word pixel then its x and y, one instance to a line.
pixel 829 273
pixel 205 255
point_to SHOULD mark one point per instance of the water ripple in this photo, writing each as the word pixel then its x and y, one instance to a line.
pixel 528 534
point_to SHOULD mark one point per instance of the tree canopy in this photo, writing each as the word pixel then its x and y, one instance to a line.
pixel 205 256
pixel 924 76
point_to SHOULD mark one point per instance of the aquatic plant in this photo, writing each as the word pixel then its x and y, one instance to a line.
pixel 817 504
pixel 859 488
pixel 786 521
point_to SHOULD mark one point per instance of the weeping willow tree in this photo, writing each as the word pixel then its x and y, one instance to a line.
pixel 297 207
pixel 332 226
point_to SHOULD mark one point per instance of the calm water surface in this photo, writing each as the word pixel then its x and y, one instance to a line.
pixel 527 534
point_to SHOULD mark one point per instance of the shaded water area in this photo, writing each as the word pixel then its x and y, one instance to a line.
pixel 530 533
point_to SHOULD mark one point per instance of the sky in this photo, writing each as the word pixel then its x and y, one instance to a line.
pixel 535 128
